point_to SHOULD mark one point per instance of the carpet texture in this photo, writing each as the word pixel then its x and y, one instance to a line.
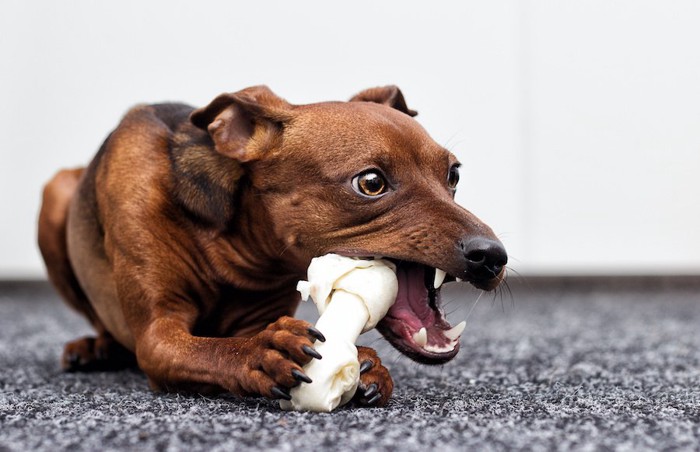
pixel 568 367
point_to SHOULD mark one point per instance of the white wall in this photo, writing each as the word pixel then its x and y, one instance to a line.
pixel 613 144
pixel 578 123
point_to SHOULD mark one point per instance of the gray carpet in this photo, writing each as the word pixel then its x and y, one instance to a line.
pixel 558 366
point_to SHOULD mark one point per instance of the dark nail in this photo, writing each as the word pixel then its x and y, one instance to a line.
pixel 365 366
pixel 311 352
pixel 300 376
pixel 317 334
pixel 74 359
pixel 280 393
pixel 374 399
pixel 371 390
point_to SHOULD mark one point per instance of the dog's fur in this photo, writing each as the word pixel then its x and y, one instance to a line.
pixel 184 238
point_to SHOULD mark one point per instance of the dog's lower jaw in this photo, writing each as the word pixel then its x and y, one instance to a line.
pixel 410 349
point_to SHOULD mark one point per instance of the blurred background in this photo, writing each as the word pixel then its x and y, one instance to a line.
pixel 577 123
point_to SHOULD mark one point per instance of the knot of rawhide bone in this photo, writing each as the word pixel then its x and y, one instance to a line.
pixel 374 281
pixel 352 296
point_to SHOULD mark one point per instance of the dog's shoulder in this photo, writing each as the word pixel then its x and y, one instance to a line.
pixel 180 159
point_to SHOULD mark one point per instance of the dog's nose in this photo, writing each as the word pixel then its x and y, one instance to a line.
pixel 485 258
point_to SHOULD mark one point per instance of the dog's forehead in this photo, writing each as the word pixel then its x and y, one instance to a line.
pixel 358 127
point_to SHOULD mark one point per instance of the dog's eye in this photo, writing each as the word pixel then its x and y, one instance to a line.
pixel 453 177
pixel 370 183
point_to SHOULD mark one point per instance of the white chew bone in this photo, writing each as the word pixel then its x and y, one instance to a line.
pixel 352 296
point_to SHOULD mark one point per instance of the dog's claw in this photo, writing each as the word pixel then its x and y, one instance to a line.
pixel 365 366
pixel 311 352
pixel 374 399
pixel 280 393
pixel 300 376
pixel 371 390
pixel 317 334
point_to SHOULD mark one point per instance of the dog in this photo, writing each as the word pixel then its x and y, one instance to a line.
pixel 183 240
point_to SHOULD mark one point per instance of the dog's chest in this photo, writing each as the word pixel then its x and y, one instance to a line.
pixel 239 313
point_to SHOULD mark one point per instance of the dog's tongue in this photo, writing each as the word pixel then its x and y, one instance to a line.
pixel 411 304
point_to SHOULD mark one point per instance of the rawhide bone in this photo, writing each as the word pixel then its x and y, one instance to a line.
pixel 352 296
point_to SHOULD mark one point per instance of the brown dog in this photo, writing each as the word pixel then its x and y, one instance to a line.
pixel 184 238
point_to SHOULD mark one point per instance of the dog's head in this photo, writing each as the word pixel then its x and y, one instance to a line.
pixel 361 178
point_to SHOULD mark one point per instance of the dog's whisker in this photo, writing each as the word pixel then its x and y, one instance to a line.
pixel 517 273
pixel 512 258
pixel 520 278
pixel 504 235
pixel 452 141
pixel 451 313
pixel 506 287
pixel 494 298
pixel 474 306
pixel 447 303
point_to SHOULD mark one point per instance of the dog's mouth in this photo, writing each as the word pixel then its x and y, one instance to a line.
pixel 416 323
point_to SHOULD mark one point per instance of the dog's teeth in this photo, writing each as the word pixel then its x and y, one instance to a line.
pixel 456 331
pixel 459 279
pixel 441 349
pixel 439 278
pixel 421 337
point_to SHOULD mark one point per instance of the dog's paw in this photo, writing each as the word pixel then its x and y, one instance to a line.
pixel 376 385
pixel 274 363
pixel 90 354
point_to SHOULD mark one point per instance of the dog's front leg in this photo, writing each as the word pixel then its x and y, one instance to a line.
pixel 268 363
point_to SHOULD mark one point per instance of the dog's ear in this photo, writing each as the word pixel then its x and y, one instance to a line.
pixel 241 123
pixel 389 95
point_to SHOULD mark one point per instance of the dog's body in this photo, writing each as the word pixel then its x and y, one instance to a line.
pixel 183 240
